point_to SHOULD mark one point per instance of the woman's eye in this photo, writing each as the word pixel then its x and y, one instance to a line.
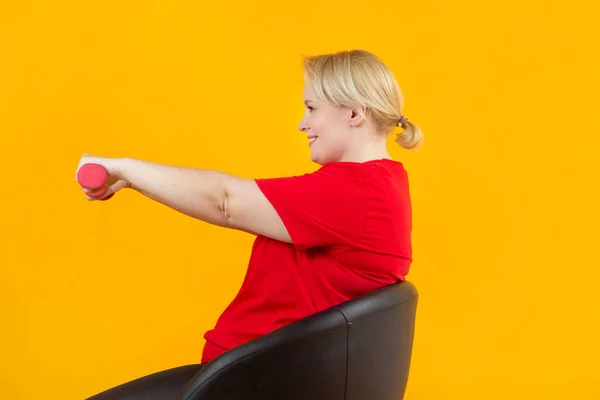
pixel 310 108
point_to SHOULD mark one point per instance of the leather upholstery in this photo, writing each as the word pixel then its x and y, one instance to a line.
pixel 358 350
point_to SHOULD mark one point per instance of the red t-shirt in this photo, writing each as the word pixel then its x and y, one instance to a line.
pixel 350 224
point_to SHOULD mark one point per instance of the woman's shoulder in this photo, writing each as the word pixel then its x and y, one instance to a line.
pixel 383 167
pixel 379 162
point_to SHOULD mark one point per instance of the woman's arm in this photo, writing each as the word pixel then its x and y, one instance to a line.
pixel 211 196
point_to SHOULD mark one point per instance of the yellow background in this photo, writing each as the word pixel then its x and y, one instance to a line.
pixel 505 189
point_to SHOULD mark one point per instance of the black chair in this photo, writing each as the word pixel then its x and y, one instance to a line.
pixel 358 350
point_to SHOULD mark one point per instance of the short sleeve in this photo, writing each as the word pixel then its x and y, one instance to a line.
pixel 323 208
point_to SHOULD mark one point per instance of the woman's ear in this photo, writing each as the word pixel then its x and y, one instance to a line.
pixel 357 116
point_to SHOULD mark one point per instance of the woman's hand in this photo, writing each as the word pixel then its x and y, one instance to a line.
pixel 114 181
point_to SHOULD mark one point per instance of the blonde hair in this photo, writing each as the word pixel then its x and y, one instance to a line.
pixel 356 79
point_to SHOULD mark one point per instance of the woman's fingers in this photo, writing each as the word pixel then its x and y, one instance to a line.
pixel 87 190
pixel 106 193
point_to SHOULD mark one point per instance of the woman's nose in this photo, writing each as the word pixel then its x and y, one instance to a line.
pixel 303 125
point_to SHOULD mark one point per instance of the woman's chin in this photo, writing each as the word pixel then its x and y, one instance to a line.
pixel 314 158
pixel 317 158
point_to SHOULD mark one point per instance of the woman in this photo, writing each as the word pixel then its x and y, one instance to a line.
pixel 321 238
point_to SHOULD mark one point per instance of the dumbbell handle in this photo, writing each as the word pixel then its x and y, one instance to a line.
pixel 93 176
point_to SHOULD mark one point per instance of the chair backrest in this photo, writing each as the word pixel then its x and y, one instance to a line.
pixel 358 350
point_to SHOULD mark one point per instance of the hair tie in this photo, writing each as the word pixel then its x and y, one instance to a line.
pixel 402 121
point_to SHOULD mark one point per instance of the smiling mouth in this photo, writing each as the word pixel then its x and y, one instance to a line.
pixel 311 140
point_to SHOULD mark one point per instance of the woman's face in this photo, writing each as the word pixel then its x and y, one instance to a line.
pixel 327 128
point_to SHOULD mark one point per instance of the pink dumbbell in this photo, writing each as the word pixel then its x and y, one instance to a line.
pixel 93 176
